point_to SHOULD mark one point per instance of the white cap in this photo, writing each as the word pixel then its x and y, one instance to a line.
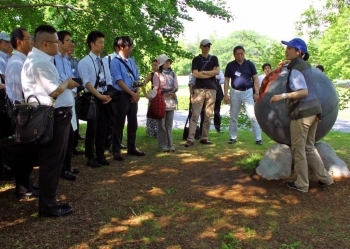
pixel 205 42
pixel 4 36
pixel 162 59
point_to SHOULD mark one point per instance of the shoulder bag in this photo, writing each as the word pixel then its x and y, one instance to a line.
pixel 156 109
pixel 33 122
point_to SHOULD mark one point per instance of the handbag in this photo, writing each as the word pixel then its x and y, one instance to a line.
pixel 156 109
pixel 170 103
pixel 33 122
pixel 186 131
pixel 86 106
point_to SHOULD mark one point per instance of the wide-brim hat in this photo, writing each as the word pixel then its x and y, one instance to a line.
pixel 162 59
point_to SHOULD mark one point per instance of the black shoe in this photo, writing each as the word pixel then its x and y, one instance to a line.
pixel 31 194
pixel 59 212
pixel 218 130
pixel 68 175
pixel 74 171
pixel 259 142
pixel 93 163
pixel 232 141
pixel 34 186
pixel 103 161
pixel 78 152
pixel 136 153
pixel 323 185
pixel 63 205
pixel 293 186
pixel 123 147
pixel 118 157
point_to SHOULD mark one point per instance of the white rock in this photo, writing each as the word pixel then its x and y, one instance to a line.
pixel 277 163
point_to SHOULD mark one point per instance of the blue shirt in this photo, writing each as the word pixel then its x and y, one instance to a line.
pixel 120 72
pixel 245 71
pixel 64 67
pixel 74 65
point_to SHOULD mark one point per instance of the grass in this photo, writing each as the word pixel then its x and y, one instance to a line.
pixel 203 197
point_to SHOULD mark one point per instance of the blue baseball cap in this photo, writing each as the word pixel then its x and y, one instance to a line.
pixel 296 43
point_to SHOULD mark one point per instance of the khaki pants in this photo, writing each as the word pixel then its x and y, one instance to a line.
pixel 201 97
pixel 304 152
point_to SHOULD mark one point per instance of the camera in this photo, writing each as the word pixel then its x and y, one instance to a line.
pixel 102 84
pixel 136 83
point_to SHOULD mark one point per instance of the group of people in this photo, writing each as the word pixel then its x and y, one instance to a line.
pixel 43 66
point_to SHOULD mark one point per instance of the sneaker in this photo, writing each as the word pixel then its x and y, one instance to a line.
pixel 232 141
pixel 259 142
pixel 323 185
pixel 293 186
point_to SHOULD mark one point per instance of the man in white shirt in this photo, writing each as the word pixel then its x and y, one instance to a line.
pixel 96 76
pixel 40 78
pixel 266 69
pixel 23 165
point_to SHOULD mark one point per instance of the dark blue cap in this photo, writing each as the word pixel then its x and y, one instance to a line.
pixel 296 43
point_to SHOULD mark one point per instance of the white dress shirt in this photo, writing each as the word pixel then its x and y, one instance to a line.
pixel 13 76
pixel 89 69
pixel 40 78
pixel 3 61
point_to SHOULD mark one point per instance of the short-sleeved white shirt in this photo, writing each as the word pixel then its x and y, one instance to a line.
pixel 40 78
pixel 88 71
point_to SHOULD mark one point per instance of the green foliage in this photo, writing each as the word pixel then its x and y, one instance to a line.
pixel 153 25
pixel 249 164
pixel 243 120
pixel 229 241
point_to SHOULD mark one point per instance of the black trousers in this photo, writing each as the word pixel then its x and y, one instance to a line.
pixel 67 162
pixel 6 130
pixel 96 132
pixel 124 109
pixel 51 156
pixel 217 116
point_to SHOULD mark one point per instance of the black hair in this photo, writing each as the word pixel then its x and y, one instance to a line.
pixel 320 67
pixel 123 41
pixel 237 48
pixel 161 69
pixel 16 34
pixel 155 60
pixel 44 29
pixel 305 56
pixel 93 36
pixel 40 31
pixel 62 34
pixel 265 65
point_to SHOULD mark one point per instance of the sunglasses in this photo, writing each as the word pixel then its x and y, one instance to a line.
pixel 206 46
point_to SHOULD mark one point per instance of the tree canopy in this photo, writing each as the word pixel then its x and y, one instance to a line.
pixel 154 25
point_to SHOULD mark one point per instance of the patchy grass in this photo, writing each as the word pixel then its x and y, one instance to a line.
pixel 205 197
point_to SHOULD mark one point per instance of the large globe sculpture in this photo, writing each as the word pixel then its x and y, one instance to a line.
pixel 272 117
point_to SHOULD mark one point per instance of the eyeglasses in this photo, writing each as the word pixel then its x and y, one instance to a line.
pixel 206 46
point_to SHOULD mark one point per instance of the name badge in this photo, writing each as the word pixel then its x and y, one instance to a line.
pixel 237 73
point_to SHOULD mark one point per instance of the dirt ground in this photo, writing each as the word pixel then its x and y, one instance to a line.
pixel 178 200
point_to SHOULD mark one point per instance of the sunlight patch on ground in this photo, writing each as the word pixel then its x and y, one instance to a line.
pixel 290 199
pixel 167 170
pixel 131 173
pixel 137 220
pixel 156 191
pixel 12 223
pixel 113 229
pixel 107 182
pixel 6 187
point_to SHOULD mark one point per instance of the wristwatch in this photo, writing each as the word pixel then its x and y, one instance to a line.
pixel 284 95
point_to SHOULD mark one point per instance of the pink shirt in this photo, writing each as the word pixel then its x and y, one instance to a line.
pixel 164 81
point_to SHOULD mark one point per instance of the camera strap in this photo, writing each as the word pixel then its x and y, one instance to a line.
pixel 127 68
pixel 97 74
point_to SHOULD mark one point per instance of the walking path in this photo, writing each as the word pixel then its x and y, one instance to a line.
pixel 180 117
